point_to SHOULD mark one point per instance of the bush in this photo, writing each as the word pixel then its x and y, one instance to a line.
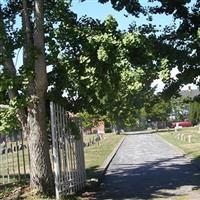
pixel 108 130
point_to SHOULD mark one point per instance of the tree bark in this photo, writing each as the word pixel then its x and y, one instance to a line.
pixel 41 177
pixel 118 126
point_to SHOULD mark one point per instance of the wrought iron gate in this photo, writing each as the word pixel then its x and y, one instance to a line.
pixel 68 152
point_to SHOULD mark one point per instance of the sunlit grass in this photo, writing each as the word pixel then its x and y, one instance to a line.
pixel 97 153
pixel 191 149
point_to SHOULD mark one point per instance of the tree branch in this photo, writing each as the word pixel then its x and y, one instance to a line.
pixel 10 67
pixel 7 59
pixel 28 36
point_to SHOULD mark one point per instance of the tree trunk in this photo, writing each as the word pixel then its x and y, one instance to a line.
pixel 41 176
pixel 118 126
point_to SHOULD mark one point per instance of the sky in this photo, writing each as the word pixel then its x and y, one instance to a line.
pixel 100 11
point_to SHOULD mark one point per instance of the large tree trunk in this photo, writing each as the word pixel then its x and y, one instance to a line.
pixel 41 177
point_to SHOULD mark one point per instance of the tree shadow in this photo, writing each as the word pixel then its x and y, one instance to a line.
pixel 150 179
pixel 92 172
pixel 14 178
pixel 196 161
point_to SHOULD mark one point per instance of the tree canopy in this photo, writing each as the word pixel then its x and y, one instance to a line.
pixel 103 65
pixel 183 37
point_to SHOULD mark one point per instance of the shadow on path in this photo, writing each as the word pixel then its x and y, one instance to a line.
pixel 150 179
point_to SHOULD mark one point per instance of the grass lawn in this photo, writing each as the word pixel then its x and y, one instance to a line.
pixel 97 153
pixel 191 149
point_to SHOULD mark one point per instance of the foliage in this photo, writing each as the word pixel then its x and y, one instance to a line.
pixel 179 106
pixel 23 88
pixel 74 129
pixel 106 72
pixel 178 43
pixel 160 111
pixel 95 67
pixel 184 39
pixel 194 112
pixel 8 116
pixel 9 121
pixel 87 120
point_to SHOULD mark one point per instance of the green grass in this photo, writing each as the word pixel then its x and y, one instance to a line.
pixel 89 138
pixel 7 189
pixel 191 149
pixel 4 191
pixel 9 165
pixel 96 154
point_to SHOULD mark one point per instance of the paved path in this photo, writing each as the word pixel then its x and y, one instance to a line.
pixel 146 167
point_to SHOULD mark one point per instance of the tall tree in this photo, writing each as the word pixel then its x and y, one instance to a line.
pixel 91 53
pixel 27 87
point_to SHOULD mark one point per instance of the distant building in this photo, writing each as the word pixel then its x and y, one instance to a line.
pixel 190 93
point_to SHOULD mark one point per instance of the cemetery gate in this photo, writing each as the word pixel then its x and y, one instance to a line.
pixel 68 151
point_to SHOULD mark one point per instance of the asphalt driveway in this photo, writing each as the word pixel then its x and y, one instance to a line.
pixel 146 167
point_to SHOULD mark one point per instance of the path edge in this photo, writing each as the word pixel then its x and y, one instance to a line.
pixel 103 168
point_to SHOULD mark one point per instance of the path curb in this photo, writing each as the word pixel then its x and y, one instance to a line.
pixel 190 159
pixel 170 144
pixel 103 168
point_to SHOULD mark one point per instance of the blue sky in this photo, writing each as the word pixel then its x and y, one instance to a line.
pixel 100 11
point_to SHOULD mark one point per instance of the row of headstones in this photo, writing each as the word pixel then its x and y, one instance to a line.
pixel 183 137
pixel 92 141
pixel 4 149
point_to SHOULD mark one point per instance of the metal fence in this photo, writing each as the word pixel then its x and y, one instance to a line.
pixel 14 158
pixel 68 153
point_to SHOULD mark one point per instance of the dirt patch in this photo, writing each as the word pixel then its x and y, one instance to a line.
pixel 11 191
